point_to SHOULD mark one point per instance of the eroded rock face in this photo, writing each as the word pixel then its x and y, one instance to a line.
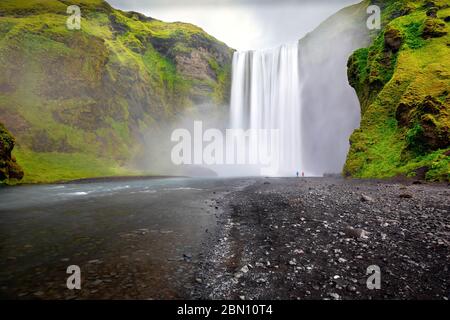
pixel 434 28
pixel 402 82
pixel 98 91
pixel 427 124
pixel 9 169
pixel 393 39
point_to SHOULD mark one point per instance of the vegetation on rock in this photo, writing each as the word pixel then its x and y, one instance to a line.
pixel 10 171
pixel 403 83
pixel 80 101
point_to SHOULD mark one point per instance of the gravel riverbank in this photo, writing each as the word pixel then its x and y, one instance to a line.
pixel 293 238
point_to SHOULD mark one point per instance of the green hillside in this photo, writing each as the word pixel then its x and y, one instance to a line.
pixel 79 101
pixel 403 83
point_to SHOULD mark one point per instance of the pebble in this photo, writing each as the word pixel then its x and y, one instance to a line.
pixel 365 198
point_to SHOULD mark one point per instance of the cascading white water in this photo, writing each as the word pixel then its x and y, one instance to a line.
pixel 265 94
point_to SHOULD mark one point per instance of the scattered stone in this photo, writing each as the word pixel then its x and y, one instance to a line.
pixel 357 233
pixel 334 295
pixel 187 257
pixel 351 288
pixel 95 261
pixel 365 198
pixel 405 196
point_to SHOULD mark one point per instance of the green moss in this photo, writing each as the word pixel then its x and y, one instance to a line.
pixel 10 170
pixel 413 34
pixel 89 94
pixel 404 98
pixel 43 167
pixel 413 138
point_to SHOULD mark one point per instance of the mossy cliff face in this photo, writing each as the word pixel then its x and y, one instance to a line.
pixel 403 83
pixel 79 101
pixel 10 171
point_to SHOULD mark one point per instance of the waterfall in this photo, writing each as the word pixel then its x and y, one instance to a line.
pixel 266 94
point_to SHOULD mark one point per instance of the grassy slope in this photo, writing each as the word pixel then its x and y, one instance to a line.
pixel 393 141
pixel 78 101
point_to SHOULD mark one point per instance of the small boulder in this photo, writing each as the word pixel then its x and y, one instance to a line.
pixel 434 28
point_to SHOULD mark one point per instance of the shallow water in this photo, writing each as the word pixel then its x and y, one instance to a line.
pixel 131 239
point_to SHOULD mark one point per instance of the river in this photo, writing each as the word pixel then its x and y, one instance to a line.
pixel 131 239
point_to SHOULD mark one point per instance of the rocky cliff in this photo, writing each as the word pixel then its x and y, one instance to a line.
pixel 79 101
pixel 403 83
pixel 330 107
pixel 10 171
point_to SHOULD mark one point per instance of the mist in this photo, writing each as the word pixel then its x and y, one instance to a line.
pixel 330 106
pixel 243 24
pixel 330 109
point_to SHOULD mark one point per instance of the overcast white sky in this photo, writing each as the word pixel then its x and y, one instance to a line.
pixel 242 24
